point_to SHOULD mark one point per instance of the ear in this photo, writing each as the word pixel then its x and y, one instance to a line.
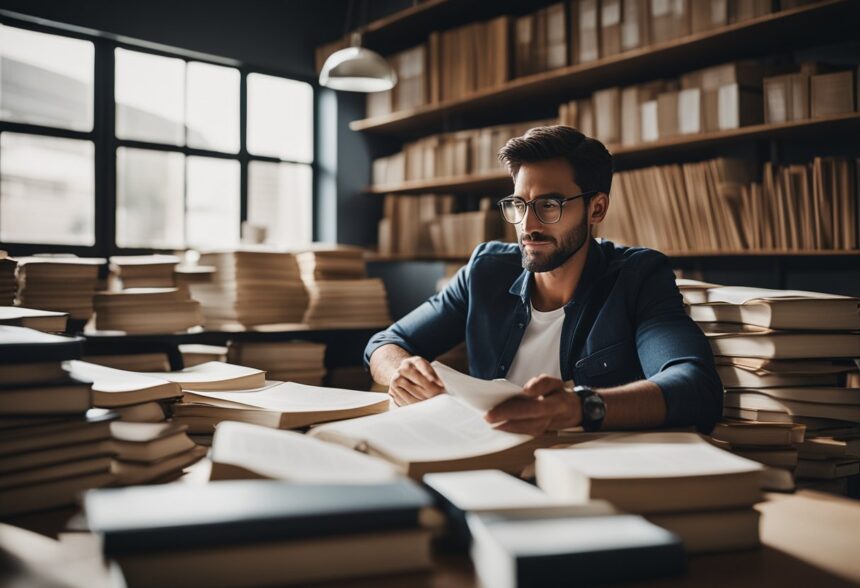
pixel 597 208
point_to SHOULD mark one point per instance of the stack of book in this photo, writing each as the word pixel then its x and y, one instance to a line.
pixel 197 353
pixel 134 362
pixel 347 303
pixel 289 361
pixel 783 356
pixel 182 535
pixel 405 226
pixel 134 396
pixel 147 310
pixel 41 320
pixel 8 285
pixel 328 263
pixel 811 90
pixel 148 453
pixel 470 58
pixel 540 41
pixel 676 480
pixel 413 83
pixel 251 287
pixel 459 234
pixel 51 447
pixel 715 206
pixel 65 284
pixel 142 271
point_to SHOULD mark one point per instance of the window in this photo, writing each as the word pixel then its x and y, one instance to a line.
pixel 166 151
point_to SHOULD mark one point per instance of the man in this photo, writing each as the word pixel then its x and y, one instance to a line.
pixel 561 309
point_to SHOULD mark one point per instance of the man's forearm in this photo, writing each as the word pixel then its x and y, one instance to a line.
pixel 384 362
pixel 633 406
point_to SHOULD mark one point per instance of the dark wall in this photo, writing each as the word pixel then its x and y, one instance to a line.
pixel 279 36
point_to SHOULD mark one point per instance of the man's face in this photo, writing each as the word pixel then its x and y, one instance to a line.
pixel 545 247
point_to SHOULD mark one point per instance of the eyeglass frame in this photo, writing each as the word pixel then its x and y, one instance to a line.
pixel 562 200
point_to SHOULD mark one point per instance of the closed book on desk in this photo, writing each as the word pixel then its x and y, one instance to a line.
pixel 32 318
pixel 520 552
pixel 234 533
pixel 280 405
pixel 23 345
pixel 755 400
pixel 437 435
pixel 112 387
pixel 66 396
pixel 650 473
pixel 737 340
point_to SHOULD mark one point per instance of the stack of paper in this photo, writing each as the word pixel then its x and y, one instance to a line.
pixel 64 284
pixel 142 271
pixel 289 361
pixel 147 311
pixel 347 303
pixel 151 452
pixel 41 320
pixel 251 287
pixel 340 263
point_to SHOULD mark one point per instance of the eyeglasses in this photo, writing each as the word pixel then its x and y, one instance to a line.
pixel 548 209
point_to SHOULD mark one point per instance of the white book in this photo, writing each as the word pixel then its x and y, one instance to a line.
pixel 242 451
pixel 215 375
pixel 741 340
pixel 114 388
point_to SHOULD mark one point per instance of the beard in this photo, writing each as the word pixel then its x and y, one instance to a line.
pixel 545 261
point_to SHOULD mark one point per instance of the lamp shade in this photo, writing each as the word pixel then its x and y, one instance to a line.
pixel 357 69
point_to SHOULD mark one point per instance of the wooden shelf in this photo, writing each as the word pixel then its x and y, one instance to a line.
pixel 824 22
pixel 626 157
pixel 375 257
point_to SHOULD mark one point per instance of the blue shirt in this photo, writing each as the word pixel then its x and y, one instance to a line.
pixel 625 322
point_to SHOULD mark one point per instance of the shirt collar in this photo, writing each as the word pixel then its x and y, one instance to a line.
pixel 593 269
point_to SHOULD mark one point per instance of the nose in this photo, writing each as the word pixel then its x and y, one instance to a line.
pixel 530 221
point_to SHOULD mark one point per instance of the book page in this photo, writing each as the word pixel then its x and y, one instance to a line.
pixel 292 397
pixel 105 379
pixel 211 371
pixel 285 455
pixel 477 393
pixel 439 429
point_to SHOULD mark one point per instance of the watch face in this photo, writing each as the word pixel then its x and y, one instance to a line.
pixel 594 408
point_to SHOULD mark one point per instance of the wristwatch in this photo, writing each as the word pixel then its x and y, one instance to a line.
pixel 593 408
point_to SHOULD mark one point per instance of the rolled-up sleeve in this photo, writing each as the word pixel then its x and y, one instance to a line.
pixel 434 327
pixel 674 352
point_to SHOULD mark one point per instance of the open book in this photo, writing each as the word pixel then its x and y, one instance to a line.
pixel 215 375
pixel 445 433
pixel 112 387
pixel 280 405
pixel 479 394
pixel 245 451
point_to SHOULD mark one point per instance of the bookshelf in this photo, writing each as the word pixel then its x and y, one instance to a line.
pixel 842 125
pixel 823 22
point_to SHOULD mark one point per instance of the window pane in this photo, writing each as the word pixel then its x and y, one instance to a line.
pixel 280 118
pixel 46 79
pixel 150 97
pixel 213 107
pixel 279 200
pixel 47 190
pixel 213 203
pixel 149 198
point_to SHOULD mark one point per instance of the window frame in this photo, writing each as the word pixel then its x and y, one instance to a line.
pixel 103 134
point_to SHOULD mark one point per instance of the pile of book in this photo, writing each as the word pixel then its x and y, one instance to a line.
pixel 328 263
pixel 251 287
pixel 283 534
pixel 813 90
pixel 784 357
pixel 142 271
pixel 147 310
pixel 64 284
pixel 289 361
pixel 678 481
pixel 8 284
pixel 473 151
pixel 41 320
pixel 716 206
pixel 51 445
pixel 347 303
pixel 413 85
pixel 151 453
pixel 197 353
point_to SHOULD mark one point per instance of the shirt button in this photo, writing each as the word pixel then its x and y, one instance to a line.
pixel 520 325
pixel 502 368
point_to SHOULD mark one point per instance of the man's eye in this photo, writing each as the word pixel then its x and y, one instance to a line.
pixel 548 204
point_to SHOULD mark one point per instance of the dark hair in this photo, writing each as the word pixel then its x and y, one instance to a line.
pixel 590 160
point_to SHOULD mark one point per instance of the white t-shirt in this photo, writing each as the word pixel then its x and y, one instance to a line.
pixel 539 349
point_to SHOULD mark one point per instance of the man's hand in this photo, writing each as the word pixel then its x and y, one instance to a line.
pixel 543 406
pixel 414 380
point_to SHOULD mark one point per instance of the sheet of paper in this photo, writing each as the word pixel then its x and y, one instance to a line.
pixel 480 394
pixel 107 379
pixel 438 429
pixel 285 455
pixel 211 371
pixel 292 397
pixel 744 294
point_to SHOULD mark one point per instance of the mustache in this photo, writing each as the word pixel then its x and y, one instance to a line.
pixel 535 237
